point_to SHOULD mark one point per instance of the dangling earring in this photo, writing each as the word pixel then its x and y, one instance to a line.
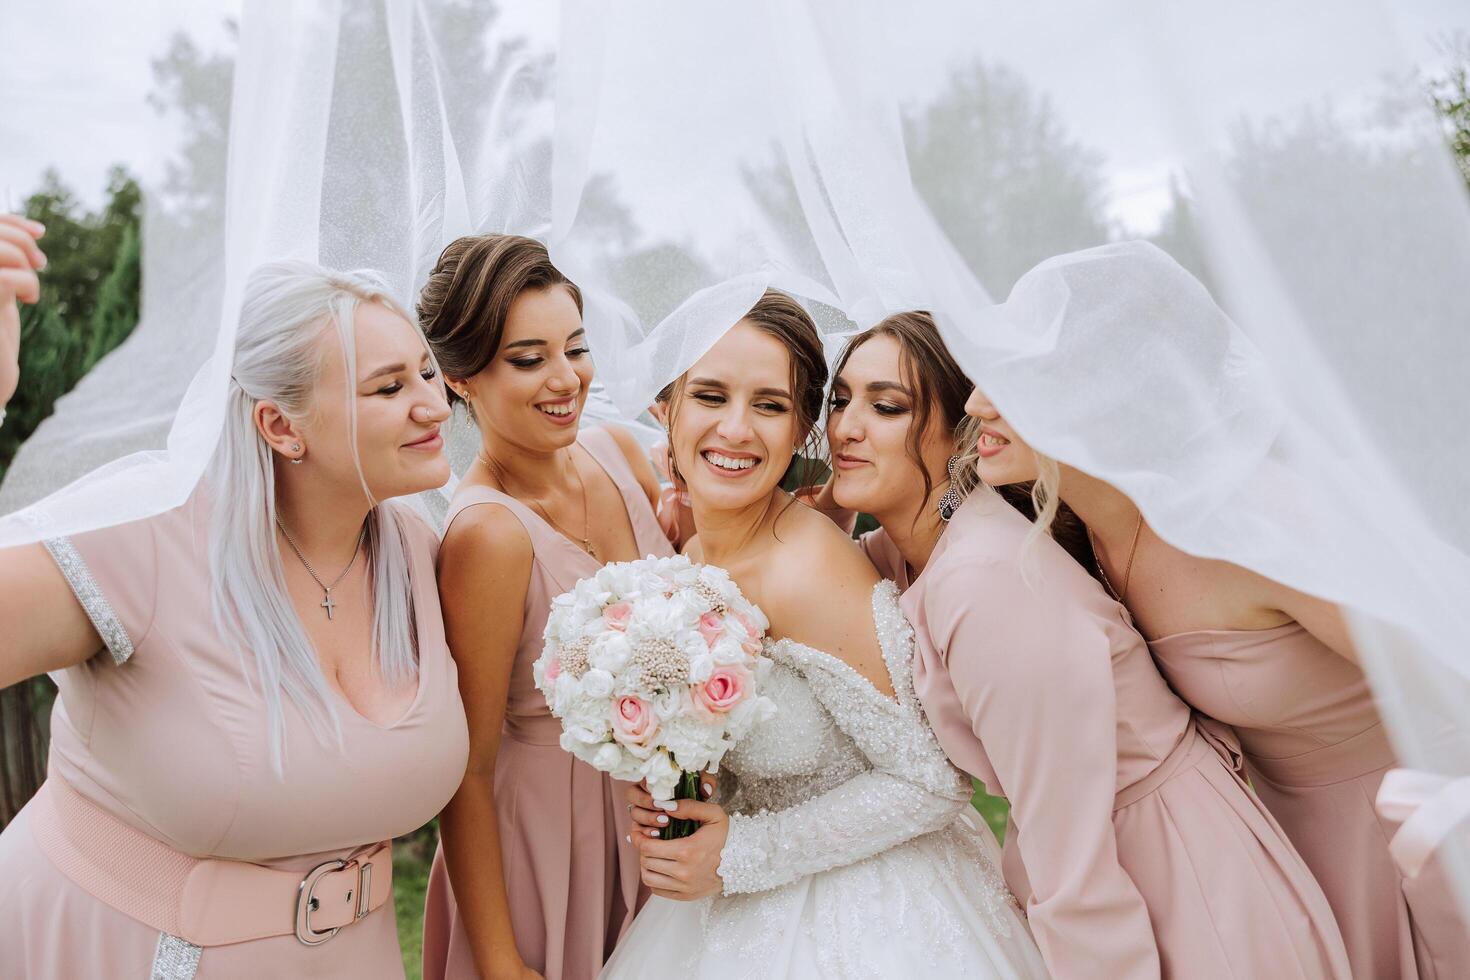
pixel 296 448
pixel 950 502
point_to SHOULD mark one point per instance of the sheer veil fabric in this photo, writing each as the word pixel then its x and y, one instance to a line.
pixel 1277 379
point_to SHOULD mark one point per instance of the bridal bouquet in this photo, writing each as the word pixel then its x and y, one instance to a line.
pixel 654 668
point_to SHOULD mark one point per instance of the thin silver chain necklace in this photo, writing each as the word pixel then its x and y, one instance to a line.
pixel 328 603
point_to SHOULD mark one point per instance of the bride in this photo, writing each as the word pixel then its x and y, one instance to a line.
pixel 843 845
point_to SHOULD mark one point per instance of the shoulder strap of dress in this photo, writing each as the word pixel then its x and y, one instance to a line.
pixel 604 448
pixel 471 496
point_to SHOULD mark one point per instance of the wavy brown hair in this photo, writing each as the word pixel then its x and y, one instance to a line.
pixel 463 306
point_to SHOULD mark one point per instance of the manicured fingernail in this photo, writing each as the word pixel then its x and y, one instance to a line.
pixel 662 818
pixel 669 805
pixel 709 790
pixel 628 838
pixel 653 833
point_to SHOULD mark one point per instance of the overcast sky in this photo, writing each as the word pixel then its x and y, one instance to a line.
pixel 76 75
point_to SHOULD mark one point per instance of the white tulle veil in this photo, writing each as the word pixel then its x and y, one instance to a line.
pixel 1294 402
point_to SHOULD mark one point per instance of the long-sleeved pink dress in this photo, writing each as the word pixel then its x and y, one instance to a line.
pixel 1316 751
pixel 571 879
pixel 1135 844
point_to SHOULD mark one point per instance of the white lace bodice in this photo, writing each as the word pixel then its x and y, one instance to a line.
pixel 841 773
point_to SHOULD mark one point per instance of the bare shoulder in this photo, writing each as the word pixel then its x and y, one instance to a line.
pixel 486 534
pixel 817 589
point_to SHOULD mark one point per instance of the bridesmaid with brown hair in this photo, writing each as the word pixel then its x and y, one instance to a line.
pixel 543 882
pixel 1134 842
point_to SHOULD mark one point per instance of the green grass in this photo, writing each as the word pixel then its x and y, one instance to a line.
pixel 413 854
pixel 992 808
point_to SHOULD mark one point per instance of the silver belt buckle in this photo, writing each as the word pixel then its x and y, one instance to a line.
pixel 307 903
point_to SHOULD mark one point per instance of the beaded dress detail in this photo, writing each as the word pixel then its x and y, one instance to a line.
pixel 852 851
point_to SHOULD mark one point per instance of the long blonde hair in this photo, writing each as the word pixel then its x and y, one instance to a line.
pixel 288 308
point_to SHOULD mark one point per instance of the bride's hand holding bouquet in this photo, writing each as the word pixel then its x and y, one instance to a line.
pixel 654 668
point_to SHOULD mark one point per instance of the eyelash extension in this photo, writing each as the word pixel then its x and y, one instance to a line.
pixel 531 362
pixel 428 374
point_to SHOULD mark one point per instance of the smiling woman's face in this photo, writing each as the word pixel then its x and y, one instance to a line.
pixel 869 423
pixel 1003 457
pixel 532 392
pixel 735 426
pixel 399 403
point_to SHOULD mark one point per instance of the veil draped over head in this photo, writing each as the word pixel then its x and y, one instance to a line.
pixel 1232 239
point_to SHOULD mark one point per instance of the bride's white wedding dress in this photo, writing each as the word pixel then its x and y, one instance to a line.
pixel 853 851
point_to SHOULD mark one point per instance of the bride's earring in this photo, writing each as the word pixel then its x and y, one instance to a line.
pixel 296 448
pixel 950 502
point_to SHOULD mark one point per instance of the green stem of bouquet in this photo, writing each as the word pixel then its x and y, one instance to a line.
pixel 688 789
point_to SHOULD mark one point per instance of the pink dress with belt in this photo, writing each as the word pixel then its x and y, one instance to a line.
pixel 163 733
pixel 571 879
pixel 1316 751
pixel 1134 843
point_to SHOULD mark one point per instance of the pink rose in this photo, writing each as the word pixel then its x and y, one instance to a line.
pixel 726 688
pixel 553 670
pixel 633 721
pixel 617 615
pixel 711 626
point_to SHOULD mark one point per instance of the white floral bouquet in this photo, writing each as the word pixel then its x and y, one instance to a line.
pixel 654 668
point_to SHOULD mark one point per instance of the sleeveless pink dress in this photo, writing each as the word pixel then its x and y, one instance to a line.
pixel 571 879
pixel 1135 846
pixel 164 731
pixel 1316 751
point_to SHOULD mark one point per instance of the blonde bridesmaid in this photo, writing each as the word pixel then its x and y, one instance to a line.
pixel 534 876
pixel 1134 842
pixel 255 693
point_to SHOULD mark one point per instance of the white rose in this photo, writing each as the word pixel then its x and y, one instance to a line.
pixel 607 757
pixel 610 652
pixel 597 683
pixel 701 665
pixel 662 776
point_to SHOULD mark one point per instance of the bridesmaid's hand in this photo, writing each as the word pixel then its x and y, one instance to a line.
pixel 686 869
pixel 20 259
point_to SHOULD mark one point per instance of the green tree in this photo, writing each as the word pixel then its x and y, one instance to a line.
pixel 89 297
pixel 1449 95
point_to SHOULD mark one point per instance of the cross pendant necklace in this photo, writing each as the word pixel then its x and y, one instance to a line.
pixel 328 603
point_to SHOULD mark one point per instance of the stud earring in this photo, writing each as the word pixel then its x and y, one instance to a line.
pixel 950 502
pixel 296 448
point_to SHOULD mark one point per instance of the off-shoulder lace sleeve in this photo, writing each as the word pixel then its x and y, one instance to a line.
pixel 911 789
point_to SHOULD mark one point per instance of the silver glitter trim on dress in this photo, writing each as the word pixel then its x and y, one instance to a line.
pixel 174 959
pixel 90 595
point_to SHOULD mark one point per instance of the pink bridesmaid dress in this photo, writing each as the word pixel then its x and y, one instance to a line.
pixel 159 757
pixel 571 879
pixel 1316 752
pixel 1134 844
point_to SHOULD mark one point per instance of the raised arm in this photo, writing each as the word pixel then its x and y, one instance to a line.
pixel 1034 676
pixel 484 570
